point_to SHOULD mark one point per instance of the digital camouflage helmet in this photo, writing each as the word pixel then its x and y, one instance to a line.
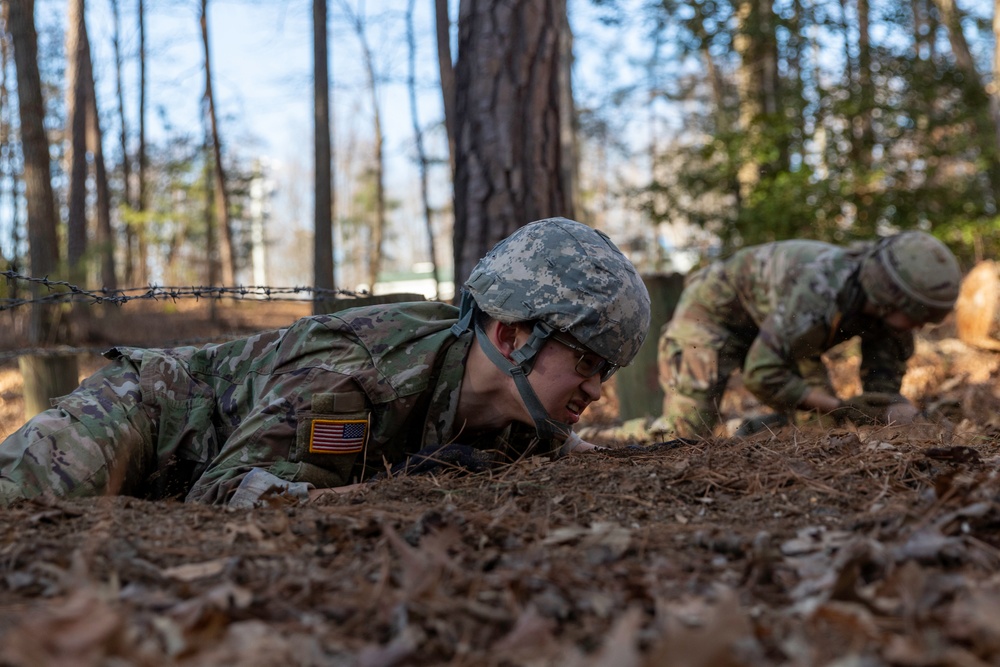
pixel 912 272
pixel 564 277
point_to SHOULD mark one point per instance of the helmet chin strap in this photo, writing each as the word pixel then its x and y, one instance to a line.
pixel 545 426
pixel 523 360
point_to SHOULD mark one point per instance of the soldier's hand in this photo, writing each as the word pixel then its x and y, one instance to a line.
pixel 584 446
pixel 574 444
pixel 904 413
pixel 315 494
pixel 876 408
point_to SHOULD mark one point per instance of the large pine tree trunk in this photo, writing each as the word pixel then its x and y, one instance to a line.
pixel 43 248
pixel 509 166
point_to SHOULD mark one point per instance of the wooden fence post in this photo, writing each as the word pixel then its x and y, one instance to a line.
pixel 638 385
pixel 47 375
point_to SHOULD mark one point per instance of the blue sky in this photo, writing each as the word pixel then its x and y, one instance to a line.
pixel 262 75
pixel 262 78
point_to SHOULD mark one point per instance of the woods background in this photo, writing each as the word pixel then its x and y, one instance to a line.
pixel 685 129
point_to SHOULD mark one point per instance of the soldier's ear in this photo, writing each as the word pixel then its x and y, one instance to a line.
pixel 505 337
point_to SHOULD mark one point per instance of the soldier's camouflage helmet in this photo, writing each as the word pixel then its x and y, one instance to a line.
pixel 571 277
pixel 912 272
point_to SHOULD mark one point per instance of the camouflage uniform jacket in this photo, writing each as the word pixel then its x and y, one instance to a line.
pixel 321 402
pixel 791 301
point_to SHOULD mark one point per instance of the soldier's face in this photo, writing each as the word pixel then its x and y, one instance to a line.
pixel 564 392
pixel 900 321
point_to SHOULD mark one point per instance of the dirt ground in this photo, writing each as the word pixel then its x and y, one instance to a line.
pixel 805 546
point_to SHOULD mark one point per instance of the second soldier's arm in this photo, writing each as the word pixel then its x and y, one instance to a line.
pixel 770 372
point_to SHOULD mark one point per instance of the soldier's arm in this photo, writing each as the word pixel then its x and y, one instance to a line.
pixel 783 366
pixel 883 361
pixel 819 400
pixel 814 371
pixel 770 375
pixel 292 434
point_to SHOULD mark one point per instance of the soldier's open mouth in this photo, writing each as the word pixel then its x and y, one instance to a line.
pixel 575 410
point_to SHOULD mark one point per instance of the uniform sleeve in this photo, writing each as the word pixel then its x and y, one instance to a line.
pixel 308 386
pixel 814 371
pixel 770 376
pixel 275 436
pixel 786 345
pixel 883 361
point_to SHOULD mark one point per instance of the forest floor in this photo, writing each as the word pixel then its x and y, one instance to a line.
pixel 803 546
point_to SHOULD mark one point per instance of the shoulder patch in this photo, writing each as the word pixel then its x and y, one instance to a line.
pixel 337 436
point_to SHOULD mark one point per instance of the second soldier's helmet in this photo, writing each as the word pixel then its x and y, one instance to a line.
pixel 572 278
pixel 912 272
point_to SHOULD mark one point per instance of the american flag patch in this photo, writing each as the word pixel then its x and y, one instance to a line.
pixel 338 436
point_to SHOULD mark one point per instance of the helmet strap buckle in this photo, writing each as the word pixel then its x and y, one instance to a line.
pixel 524 356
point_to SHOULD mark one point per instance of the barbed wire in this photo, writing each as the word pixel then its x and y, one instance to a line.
pixel 66 292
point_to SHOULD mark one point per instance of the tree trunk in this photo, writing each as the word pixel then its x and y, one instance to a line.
pixel 43 249
pixel 130 236
pixel 142 266
pixel 442 24
pixel 95 143
pixel 757 82
pixel 76 151
pixel 226 257
pixel 974 91
pixel 509 153
pixel 569 163
pixel 419 140
pixel 862 138
pixel 211 230
pixel 7 171
pixel 717 83
pixel 863 120
pixel 323 275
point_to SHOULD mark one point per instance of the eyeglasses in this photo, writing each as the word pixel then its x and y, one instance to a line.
pixel 589 364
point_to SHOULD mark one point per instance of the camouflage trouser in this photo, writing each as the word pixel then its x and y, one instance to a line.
pixel 97 440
